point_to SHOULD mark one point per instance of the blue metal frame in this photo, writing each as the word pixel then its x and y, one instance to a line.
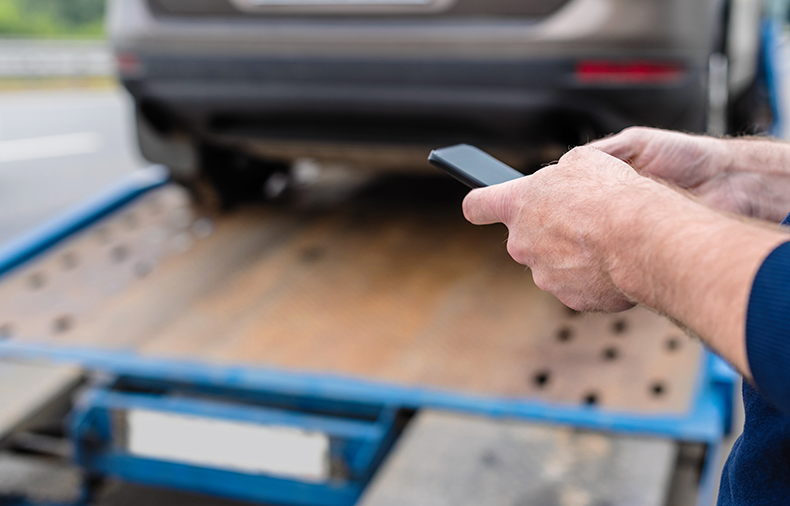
pixel 359 444
pixel 707 421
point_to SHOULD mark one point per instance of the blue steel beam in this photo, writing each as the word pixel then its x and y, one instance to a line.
pixel 707 420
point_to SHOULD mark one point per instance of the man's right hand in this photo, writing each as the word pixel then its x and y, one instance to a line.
pixel 747 177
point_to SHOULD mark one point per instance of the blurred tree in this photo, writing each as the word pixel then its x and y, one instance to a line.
pixel 75 12
pixel 52 18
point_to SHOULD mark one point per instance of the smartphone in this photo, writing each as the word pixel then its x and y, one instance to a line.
pixel 471 166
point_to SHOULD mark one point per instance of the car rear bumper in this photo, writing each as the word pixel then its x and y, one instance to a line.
pixel 508 103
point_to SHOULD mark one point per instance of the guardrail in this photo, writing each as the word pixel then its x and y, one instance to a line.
pixel 55 58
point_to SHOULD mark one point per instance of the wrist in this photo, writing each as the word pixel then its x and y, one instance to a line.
pixel 759 174
pixel 755 156
pixel 691 263
pixel 652 222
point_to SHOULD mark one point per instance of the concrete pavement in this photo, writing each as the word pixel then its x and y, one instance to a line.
pixel 57 148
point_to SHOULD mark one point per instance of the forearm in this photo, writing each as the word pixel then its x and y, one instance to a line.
pixel 751 154
pixel 760 170
pixel 693 264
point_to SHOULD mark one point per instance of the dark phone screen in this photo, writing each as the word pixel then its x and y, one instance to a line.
pixel 471 166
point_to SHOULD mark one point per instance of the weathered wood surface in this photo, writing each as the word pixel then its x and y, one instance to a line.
pixel 391 284
pixel 28 388
pixel 447 459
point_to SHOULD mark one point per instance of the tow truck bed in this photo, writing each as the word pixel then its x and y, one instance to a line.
pixel 321 323
pixel 388 283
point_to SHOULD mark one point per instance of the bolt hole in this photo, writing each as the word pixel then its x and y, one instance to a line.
pixel 104 235
pixel 658 389
pixel 130 221
pixel 120 253
pixel 590 399
pixel 611 353
pixel 203 228
pixel 142 269
pixel 181 242
pixel 672 344
pixel 6 331
pixel 155 205
pixel 70 261
pixel 541 379
pixel 314 254
pixel 62 324
pixel 179 218
pixel 565 334
pixel 490 459
pixel 37 281
pixel 619 326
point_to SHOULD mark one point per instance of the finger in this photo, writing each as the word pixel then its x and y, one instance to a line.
pixel 590 156
pixel 493 204
pixel 625 145
pixel 617 146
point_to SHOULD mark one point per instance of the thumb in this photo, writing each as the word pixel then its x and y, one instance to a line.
pixel 493 204
pixel 616 145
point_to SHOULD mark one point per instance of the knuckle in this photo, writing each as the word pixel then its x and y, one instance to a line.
pixel 579 153
pixel 517 251
pixel 636 131
pixel 570 155
pixel 541 281
pixel 574 302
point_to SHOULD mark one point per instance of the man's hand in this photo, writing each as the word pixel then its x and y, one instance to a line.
pixel 561 222
pixel 747 177
pixel 601 237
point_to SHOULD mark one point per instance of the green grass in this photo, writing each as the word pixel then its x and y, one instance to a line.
pixel 52 18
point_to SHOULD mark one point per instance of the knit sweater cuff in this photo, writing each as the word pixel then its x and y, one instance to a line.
pixel 768 328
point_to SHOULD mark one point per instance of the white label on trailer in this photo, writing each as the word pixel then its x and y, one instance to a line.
pixel 222 444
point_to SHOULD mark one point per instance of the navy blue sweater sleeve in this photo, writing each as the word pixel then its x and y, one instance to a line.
pixel 768 328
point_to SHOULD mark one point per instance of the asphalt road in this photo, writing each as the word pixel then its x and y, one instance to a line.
pixel 56 148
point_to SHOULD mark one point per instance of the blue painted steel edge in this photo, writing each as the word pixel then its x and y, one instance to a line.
pixel 706 421
pixel 772 64
pixel 222 483
pixel 350 429
pixel 39 239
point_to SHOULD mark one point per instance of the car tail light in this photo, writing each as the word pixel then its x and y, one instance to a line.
pixel 628 72
pixel 128 64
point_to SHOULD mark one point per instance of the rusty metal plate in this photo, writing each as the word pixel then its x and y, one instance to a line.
pixel 375 286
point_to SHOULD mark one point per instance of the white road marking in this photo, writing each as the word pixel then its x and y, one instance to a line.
pixel 51 146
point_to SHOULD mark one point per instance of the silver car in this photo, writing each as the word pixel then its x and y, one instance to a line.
pixel 235 89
